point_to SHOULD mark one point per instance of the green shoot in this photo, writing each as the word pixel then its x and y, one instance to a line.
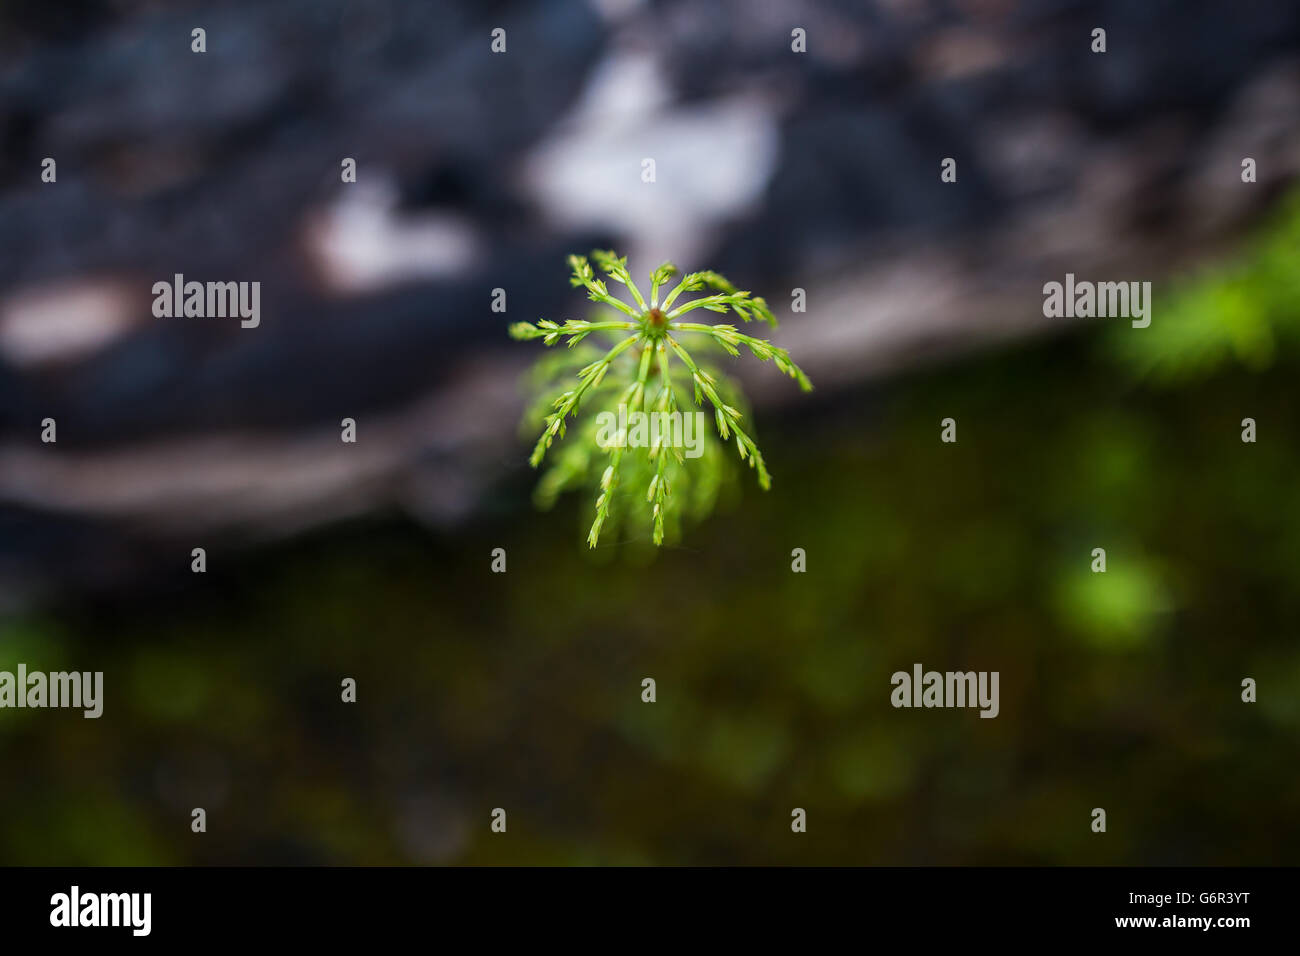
pixel 636 377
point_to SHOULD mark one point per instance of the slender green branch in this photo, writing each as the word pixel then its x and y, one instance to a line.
pixel 657 493
pixel 610 479
pixel 567 402
pixel 658 278
pixel 729 337
pixel 725 416
pixel 578 329
pixel 615 267
pixel 714 303
pixel 583 275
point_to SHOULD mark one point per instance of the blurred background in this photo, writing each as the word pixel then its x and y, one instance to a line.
pixel 819 171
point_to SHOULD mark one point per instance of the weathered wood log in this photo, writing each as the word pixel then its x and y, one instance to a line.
pixel 479 171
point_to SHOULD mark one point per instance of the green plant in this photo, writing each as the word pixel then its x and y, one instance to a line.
pixel 1241 311
pixel 644 339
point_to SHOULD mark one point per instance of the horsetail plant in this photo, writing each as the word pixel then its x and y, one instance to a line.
pixel 644 337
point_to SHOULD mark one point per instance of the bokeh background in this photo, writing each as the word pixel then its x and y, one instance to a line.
pixel 522 690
